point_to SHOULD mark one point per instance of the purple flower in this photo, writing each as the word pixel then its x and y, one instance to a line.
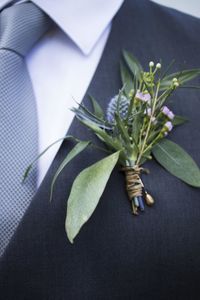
pixel 142 96
pixel 168 125
pixel 147 97
pixel 165 110
pixel 170 115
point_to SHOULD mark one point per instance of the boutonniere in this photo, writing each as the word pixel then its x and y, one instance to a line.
pixel 134 128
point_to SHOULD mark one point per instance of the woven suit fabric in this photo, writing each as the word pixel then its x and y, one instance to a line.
pixel 21 26
pixel 117 256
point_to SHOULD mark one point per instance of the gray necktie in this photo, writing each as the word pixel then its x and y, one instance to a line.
pixel 21 26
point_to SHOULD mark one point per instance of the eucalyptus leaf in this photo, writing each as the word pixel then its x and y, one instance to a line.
pixel 97 108
pixel 179 120
pixel 182 77
pixel 78 148
pixel 178 162
pixel 133 64
pixel 85 194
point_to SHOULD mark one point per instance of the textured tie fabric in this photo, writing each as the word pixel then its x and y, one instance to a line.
pixel 21 27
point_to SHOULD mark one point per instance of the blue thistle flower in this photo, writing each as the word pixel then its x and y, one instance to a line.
pixel 117 104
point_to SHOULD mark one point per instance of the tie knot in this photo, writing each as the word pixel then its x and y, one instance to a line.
pixel 21 26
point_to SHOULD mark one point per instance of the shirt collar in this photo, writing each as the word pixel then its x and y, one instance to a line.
pixel 83 21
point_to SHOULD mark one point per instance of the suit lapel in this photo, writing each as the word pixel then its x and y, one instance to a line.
pixel 102 87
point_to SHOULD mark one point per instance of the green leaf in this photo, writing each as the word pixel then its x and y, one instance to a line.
pixel 74 152
pixel 179 120
pixel 28 169
pixel 178 162
pixel 97 108
pixel 102 134
pixel 133 64
pixel 136 127
pixel 123 130
pixel 131 150
pixel 126 78
pixel 194 87
pixel 167 69
pixel 83 113
pixel 182 77
pixel 86 192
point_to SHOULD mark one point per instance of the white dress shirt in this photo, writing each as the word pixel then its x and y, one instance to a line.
pixel 63 63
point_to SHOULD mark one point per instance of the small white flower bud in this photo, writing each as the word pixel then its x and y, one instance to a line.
pixel 176 84
pixel 158 66
pixel 151 64
pixel 174 80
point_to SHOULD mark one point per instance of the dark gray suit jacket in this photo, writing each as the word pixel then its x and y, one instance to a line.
pixel 116 255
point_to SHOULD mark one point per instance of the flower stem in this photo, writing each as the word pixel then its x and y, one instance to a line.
pixel 149 125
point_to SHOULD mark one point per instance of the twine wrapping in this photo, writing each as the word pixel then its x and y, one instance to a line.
pixel 134 184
